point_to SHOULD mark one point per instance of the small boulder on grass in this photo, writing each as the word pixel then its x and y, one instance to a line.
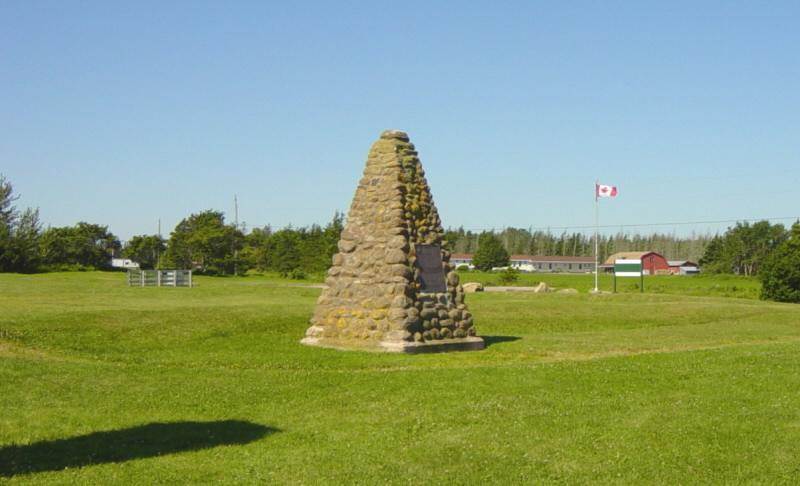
pixel 542 288
pixel 471 287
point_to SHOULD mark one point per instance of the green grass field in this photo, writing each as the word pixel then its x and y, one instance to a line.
pixel 100 383
pixel 700 285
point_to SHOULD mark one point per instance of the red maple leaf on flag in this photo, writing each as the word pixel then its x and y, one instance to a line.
pixel 605 190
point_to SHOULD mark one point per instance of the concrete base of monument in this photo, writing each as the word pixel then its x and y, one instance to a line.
pixel 473 343
pixel 440 346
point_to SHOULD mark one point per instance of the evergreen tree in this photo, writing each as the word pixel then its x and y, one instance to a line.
pixel 23 252
pixel 712 260
pixel 283 252
pixel 743 248
pixel 8 212
pixel 7 219
pixel 490 252
pixel 255 248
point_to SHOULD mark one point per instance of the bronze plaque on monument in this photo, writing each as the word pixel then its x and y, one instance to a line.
pixel 429 263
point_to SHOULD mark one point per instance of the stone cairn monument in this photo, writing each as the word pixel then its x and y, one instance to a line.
pixel 391 286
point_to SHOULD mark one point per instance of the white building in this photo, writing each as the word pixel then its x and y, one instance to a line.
pixel 683 267
pixel 532 263
pixel 126 263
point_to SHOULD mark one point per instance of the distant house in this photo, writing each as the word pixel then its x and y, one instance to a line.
pixel 460 259
pixel 652 263
pixel 561 264
pixel 533 263
pixel 124 263
pixel 683 267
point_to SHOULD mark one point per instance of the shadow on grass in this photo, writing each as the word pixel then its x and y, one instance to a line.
pixel 143 441
pixel 492 340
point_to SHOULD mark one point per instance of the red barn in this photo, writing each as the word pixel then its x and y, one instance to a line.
pixel 652 262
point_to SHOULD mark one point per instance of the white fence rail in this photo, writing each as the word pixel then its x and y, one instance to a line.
pixel 159 278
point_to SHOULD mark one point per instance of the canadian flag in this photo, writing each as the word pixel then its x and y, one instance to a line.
pixel 601 190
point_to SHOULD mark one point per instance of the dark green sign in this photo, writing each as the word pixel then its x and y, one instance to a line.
pixel 629 268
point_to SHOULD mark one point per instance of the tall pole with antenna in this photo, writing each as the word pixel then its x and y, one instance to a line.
pixel 236 211
pixel 158 251
pixel 596 238
pixel 236 223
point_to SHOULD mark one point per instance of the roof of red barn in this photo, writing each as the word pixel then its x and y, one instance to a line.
pixel 629 255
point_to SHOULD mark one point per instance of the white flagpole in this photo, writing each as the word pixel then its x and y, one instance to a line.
pixel 596 230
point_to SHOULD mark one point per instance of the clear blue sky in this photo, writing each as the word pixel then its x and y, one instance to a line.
pixel 121 114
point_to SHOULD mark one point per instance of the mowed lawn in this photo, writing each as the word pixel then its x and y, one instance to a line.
pixel 100 383
pixel 699 285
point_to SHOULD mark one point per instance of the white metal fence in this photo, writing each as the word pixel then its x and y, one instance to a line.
pixel 159 278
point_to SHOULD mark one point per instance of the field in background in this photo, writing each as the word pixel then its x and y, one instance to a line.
pixel 700 285
pixel 104 383
pixel 737 286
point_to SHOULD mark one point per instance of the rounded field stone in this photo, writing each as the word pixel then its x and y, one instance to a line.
pixel 347 246
pixel 428 313
pixel 395 134
pixel 452 279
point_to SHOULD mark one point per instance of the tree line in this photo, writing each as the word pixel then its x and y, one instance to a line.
pixel 743 248
pixel 25 247
pixel 769 251
pixel 519 241
pixel 204 242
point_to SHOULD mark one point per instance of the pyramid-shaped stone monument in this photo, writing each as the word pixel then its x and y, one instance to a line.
pixel 391 286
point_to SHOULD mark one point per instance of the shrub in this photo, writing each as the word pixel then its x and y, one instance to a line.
pixel 780 274
pixel 509 275
pixel 297 274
